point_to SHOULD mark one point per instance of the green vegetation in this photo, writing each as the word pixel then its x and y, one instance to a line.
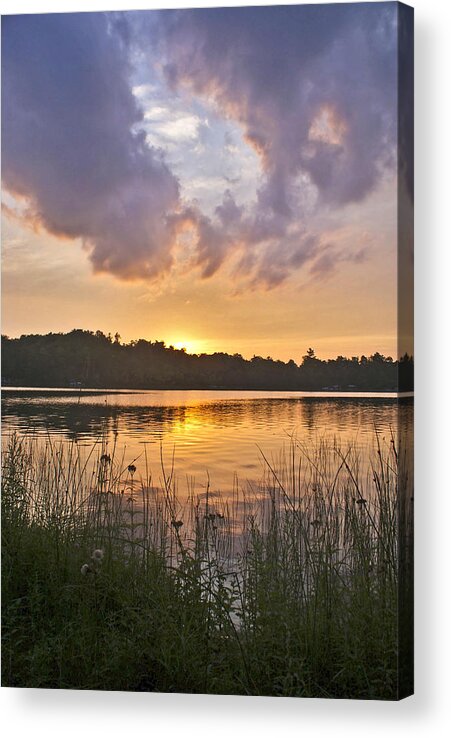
pixel 112 583
pixel 94 360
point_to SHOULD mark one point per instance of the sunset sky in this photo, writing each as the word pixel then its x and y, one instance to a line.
pixel 223 180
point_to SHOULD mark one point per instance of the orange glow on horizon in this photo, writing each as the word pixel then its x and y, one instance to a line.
pixel 191 345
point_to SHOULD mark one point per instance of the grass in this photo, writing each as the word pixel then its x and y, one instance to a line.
pixel 110 582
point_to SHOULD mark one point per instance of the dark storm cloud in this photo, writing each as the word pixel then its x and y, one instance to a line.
pixel 68 146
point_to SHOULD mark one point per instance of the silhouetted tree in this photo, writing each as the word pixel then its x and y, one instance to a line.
pixel 95 360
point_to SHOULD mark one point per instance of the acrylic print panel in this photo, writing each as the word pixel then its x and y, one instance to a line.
pixel 207 352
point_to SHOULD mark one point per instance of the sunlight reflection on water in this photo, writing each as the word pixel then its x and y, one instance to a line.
pixel 214 435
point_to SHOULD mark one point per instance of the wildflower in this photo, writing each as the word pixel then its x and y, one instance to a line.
pixel 177 524
pixel 85 569
pixel 97 555
pixel 131 468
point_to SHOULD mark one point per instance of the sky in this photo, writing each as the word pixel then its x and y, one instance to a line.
pixel 222 179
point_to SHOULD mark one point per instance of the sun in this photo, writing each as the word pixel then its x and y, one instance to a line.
pixel 190 346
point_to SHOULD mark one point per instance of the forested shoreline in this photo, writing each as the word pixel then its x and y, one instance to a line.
pixel 84 358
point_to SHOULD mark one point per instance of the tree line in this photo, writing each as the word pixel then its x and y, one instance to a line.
pixel 84 358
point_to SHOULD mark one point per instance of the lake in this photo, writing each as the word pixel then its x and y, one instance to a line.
pixel 216 437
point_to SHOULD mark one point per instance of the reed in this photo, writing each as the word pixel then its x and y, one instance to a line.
pixel 113 581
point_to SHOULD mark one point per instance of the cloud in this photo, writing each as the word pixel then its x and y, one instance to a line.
pixel 314 91
pixel 172 126
pixel 257 255
pixel 312 88
pixel 329 258
pixel 68 146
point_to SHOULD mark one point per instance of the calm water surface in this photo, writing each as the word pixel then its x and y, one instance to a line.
pixel 214 434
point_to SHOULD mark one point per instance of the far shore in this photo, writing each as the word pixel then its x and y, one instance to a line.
pixel 87 391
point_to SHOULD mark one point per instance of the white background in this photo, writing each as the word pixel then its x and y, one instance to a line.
pixel 78 714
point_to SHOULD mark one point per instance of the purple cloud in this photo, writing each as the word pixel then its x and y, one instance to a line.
pixel 68 144
pixel 314 90
pixel 312 87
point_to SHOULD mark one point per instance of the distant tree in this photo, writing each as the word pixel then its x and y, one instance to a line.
pixel 377 358
pixel 93 358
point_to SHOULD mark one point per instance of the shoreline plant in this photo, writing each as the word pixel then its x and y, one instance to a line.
pixel 290 588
